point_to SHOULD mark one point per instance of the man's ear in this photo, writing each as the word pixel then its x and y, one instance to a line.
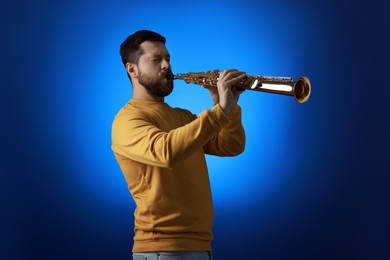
pixel 132 70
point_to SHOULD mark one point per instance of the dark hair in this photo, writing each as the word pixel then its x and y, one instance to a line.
pixel 130 49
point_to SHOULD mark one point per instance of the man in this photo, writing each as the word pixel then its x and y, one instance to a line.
pixel 161 152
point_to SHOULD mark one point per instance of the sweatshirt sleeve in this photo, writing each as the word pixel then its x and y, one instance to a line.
pixel 136 137
pixel 230 140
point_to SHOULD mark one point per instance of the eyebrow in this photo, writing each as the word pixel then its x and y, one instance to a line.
pixel 160 55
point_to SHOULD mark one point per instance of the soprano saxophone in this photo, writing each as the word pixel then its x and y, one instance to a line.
pixel 299 89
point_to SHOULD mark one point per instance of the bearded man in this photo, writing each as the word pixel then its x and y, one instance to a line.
pixel 161 152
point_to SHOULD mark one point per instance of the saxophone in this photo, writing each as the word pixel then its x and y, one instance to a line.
pixel 299 89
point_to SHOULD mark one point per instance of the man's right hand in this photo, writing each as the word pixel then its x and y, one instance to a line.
pixel 228 95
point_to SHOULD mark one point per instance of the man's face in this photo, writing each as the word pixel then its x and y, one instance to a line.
pixel 153 67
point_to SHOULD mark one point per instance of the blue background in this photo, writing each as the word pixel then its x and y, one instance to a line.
pixel 313 182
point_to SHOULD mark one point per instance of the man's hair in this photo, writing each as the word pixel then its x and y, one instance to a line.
pixel 130 49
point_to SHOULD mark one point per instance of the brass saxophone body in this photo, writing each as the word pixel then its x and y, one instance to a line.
pixel 300 89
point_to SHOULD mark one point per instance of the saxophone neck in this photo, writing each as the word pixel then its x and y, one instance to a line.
pixel 179 76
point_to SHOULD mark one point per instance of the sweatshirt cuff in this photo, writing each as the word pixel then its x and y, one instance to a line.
pixel 218 116
pixel 236 110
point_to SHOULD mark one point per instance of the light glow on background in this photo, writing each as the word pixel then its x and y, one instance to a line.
pixel 97 85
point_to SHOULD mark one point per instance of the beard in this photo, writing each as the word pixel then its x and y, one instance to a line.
pixel 158 86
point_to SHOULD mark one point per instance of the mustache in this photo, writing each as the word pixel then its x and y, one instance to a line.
pixel 167 74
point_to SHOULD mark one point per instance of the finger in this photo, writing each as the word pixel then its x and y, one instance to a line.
pixel 233 74
pixel 225 72
pixel 236 79
pixel 230 70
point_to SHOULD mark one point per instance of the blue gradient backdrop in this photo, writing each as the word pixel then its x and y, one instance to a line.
pixel 312 183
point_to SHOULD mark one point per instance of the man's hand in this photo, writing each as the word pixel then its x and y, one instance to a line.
pixel 213 89
pixel 228 95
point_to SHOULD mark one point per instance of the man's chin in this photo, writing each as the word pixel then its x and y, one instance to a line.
pixel 168 92
pixel 161 92
pixel 168 88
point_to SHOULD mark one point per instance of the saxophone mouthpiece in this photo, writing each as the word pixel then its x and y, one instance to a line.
pixel 170 76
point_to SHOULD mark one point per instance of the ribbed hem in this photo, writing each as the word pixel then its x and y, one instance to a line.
pixel 171 245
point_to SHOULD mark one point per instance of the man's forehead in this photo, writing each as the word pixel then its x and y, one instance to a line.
pixel 154 48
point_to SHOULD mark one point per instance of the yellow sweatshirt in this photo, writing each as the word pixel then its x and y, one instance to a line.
pixel 160 151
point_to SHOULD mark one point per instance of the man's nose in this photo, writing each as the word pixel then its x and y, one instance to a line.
pixel 165 64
